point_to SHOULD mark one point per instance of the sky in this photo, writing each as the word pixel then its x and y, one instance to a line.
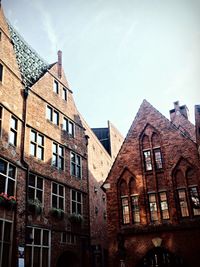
pixel 117 52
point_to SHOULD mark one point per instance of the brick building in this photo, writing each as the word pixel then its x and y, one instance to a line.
pixel 43 161
pixel 153 207
pixel 100 161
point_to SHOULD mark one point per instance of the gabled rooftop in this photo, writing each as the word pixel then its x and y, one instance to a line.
pixel 31 65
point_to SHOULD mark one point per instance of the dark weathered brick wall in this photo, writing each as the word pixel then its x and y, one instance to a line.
pixel 179 152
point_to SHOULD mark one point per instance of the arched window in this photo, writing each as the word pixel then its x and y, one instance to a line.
pixel 123 189
pixel 135 210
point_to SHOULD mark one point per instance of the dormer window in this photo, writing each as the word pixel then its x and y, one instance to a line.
pixel 56 87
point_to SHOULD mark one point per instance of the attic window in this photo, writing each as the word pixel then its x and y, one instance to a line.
pixel 55 87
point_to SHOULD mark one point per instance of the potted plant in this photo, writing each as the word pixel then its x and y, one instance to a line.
pixel 8 202
pixel 35 206
pixel 75 218
pixel 57 213
pixel 3 199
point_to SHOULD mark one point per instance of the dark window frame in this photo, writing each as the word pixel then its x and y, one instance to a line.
pixel 135 209
pixel 58 158
pixel 64 94
pixel 75 165
pixel 56 87
pixel 68 126
pixel 166 205
pixel 9 178
pixel 151 211
pixel 1 73
pixel 58 198
pixel 52 115
pixel 179 203
pixel 194 198
pixel 76 205
pixel 34 189
pixel 147 160
pixel 158 160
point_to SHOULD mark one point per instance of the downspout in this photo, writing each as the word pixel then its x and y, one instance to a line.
pixel 23 161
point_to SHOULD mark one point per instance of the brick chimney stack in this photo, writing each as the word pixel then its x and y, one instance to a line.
pixel 179 110
pixel 197 123
pixel 59 64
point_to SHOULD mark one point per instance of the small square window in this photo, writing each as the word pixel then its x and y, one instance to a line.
pixel 56 87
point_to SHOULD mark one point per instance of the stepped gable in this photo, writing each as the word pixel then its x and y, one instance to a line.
pixel 31 66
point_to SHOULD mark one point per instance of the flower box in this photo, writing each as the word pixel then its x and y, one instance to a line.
pixel 35 206
pixel 57 213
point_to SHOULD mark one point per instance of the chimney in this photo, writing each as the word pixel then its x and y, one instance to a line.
pixel 59 64
pixel 197 123
pixel 183 110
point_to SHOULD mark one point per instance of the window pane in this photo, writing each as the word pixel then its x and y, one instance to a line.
pixel 60 151
pixel 61 205
pixel 11 187
pixel 54 201
pixel 32 180
pixel 45 257
pixel 54 160
pixel 64 94
pixel 7 231
pixel 73 157
pixel 55 87
pixel 13 138
pixel 13 123
pixel 6 255
pixel 61 191
pixel 39 195
pixel 147 159
pixel 2 183
pixel 183 203
pixel 194 196
pixel 33 136
pixel 31 193
pixel 3 166
pixel 11 171
pixel 73 207
pixel 73 169
pixel 37 237
pixel 33 149
pixel 79 208
pixel 40 153
pixel 45 237
pixel 49 113
pixel 55 117
pixel 71 128
pixel 39 183
pixel 55 188
pixel 36 257
pixel 78 197
pixel 158 158
pixel 55 147
pixel 40 140
pixel 65 121
pixel 73 195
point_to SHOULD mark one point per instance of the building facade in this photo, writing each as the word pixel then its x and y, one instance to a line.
pixel 100 160
pixel 44 200
pixel 152 190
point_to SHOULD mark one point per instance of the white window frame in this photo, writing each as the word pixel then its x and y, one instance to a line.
pixel 76 202
pixel 8 177
pixel 57 195
pixel 41 246
pixel 2 241
pixel 35 188
pixel 14 131
pixel 36 144
pixel 76 165
pixel 58 156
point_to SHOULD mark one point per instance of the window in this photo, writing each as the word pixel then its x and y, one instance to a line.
pixel 38 247
pixel 58 196
pixel 153 207
pixel 158 158
pixel 125 210
pixel 7 178
pixel 76 165
pixel 56 87
pixel 164 205
pixel 1 115
pixel 1 72
pixel 37 145
pixel 13 131
pixel 76 202
pixel 58 156
pixel 194 197
pixel 68 238
pixel 147 160
pixel 183 202
pixel 135 209
pixel 68 126
pixel 35 188
pixel 5 243
pixel 52 115
pixel 64 94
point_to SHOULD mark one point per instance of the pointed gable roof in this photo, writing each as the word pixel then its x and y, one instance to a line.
pixel 143 112
pixel 31 66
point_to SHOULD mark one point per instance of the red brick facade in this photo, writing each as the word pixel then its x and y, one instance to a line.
pixel 43 163
pixel 153 192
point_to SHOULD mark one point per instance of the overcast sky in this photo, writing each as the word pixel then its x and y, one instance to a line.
pixel 117 52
